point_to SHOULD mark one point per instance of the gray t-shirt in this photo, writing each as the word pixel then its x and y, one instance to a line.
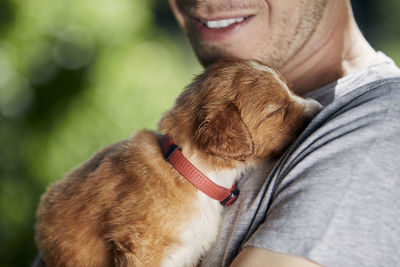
pixel 334 197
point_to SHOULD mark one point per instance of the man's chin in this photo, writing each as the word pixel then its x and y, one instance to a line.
pixel 209 57
pixel 207 60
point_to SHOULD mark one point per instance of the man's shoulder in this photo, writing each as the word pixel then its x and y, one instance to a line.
pixel 369 111
pixel 374 102
pixel 353 130
pixel 371 104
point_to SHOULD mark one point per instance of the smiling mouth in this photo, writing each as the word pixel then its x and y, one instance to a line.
pixel 222 23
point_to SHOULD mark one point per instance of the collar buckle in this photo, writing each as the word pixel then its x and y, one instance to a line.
pixel 231 198
pixel 171 151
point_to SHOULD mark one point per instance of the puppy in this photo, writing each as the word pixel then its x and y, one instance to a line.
pixel 155 199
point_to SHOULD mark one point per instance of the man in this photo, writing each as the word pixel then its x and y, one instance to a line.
pixel 332 199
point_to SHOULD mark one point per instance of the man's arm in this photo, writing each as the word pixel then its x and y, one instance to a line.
pixel 257 257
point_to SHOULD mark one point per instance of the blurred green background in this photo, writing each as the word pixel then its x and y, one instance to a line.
pixel 76 76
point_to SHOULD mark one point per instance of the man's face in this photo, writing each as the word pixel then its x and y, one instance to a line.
pixel 271 31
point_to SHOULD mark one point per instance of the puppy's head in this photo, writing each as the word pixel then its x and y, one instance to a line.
pixel 238 110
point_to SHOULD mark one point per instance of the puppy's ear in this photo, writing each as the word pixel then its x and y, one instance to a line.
pixel 225 134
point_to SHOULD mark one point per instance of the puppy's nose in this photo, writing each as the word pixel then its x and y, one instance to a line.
pixel 313 107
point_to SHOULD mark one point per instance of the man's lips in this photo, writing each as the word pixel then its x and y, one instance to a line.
pixel 218 28
pixel 222 23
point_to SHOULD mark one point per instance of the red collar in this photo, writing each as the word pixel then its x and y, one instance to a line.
pixel 173 155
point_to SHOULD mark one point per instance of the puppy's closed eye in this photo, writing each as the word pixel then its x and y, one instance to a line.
pixel 270 113
pixel 276 109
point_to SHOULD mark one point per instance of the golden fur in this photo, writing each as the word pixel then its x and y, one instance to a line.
pixel 127 205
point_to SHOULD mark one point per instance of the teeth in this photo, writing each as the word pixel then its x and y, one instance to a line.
pixel 216 24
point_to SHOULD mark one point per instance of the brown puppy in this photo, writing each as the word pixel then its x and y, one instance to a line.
pixel 128 206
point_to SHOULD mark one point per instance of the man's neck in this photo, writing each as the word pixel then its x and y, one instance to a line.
pixel 327 57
